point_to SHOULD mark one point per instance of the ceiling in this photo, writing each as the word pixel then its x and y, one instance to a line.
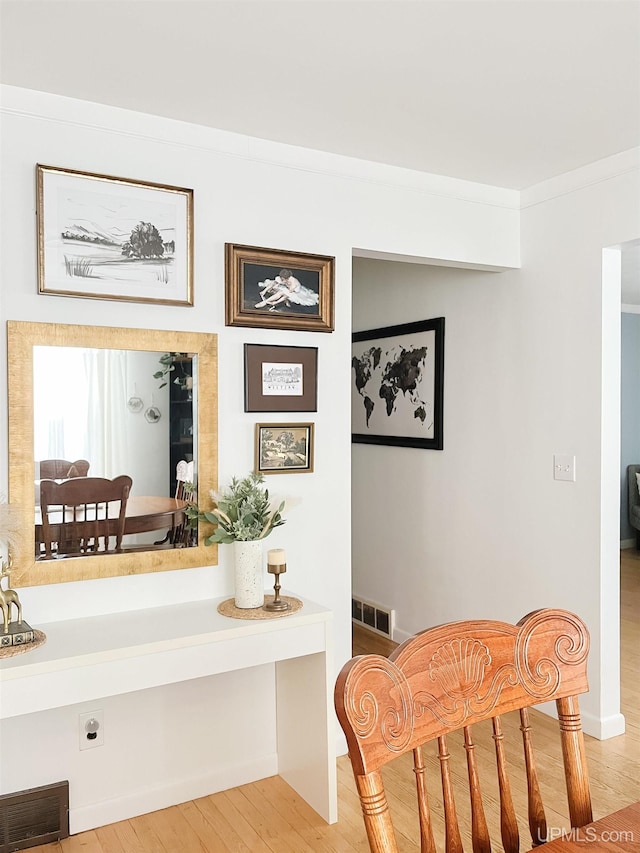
pixel 502 92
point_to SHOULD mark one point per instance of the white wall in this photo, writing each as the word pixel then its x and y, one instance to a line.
pixel 161 746
pixel 423 520
pixel 246 191
pixel 629 415
pixel 482 527
pixel 147 442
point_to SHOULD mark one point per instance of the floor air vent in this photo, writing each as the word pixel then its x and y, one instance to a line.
pixel 372 616
pixel 35 816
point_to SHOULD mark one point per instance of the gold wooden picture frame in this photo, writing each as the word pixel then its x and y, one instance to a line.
pixel 284 448
pixel 274 289
pixel 102 237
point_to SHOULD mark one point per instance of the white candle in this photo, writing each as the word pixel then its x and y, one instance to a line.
pixel 276 557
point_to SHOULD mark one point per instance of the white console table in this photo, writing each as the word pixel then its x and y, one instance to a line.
pixel 162 645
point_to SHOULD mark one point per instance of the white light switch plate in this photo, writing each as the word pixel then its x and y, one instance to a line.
pixel 564 467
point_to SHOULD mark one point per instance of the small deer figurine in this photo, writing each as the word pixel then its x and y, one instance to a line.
pixel 8 596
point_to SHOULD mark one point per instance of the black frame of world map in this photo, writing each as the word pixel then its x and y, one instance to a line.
pixel 407 410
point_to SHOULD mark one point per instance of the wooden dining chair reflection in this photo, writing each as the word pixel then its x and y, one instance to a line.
pixel 445 680
pixel 184 534
pixel 62 469
pixel 84 515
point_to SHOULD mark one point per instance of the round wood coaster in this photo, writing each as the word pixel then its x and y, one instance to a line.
pixel 40 638
pixel 228 608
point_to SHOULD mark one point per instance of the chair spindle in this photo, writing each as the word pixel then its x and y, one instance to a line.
pixel 508 821
pixel 479 832
pixel 427 843
pixel 453 842
pixel 537 819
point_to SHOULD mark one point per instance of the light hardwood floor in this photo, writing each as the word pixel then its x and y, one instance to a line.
pixel 268 817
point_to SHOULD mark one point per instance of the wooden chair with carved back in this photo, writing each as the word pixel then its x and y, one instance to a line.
pixel 63 469
pixel 84 515
pixel 444 681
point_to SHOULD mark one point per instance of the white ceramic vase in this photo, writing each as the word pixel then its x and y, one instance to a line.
pixel 248 574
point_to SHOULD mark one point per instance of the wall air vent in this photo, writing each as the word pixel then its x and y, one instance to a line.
pixel 373 616
pixel 33 817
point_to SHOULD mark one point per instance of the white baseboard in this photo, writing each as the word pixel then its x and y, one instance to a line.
pixel 601 728
pixel 627 543
pixel 152 799
pixel 399 636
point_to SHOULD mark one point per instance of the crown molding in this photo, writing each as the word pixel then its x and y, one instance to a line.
pixel 159 130
pixel 586 176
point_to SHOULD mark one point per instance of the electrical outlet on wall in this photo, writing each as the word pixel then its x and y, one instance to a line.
pixel 91 729
pixel 564 467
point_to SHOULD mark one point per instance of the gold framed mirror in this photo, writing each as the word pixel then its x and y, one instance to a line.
pixel 24 342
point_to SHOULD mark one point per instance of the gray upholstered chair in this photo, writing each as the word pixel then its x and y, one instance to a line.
pixel 634 500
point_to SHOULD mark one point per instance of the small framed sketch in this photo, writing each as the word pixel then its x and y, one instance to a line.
pixel 284 448
pixel 113 238
pixel 280 379
pixel 397 376
pixel 273 289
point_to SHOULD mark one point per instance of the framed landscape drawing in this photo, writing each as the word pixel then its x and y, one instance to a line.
pixel 280 379
pixel 273 289
pixel 284 448
pixel 113 238
pixel 397 376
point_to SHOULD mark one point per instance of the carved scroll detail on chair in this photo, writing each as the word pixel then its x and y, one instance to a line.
pixel 458 668
pixel 392 717
pixel 539 674
pixel 460 707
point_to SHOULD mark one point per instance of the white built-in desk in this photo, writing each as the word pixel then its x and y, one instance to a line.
pixel 164 645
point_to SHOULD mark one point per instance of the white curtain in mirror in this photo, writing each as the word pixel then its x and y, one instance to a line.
pixel 80 407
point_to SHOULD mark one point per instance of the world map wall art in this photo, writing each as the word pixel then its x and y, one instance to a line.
pixel 397 376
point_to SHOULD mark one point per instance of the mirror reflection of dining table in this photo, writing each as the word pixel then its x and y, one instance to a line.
pixel 144 514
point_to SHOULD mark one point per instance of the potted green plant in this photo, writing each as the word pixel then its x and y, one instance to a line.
pixel 244 516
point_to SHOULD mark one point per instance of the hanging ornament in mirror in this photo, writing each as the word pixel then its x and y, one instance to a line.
pixel 153 414
pixel 135 404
